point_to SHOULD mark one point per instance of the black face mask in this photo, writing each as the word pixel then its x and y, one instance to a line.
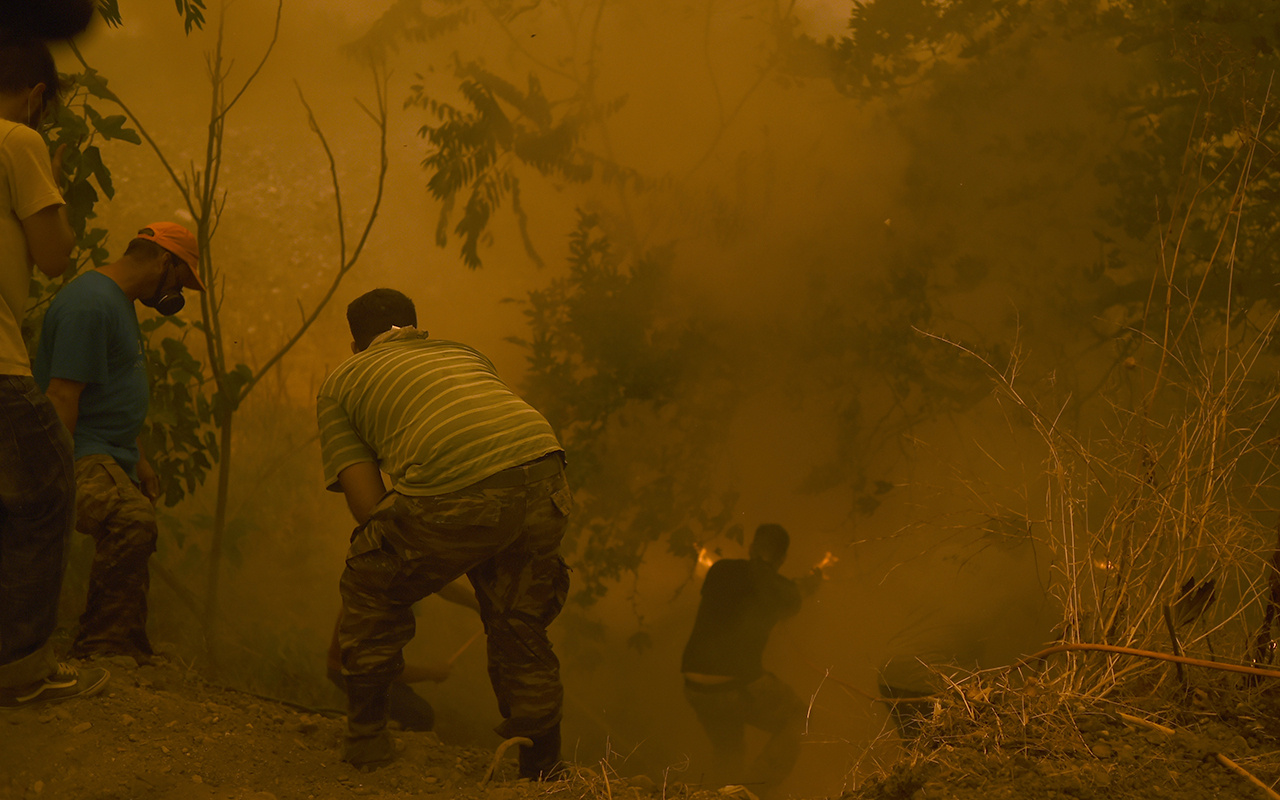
pixel 167 303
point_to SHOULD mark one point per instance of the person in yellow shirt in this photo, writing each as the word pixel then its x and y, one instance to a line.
pixel 37 480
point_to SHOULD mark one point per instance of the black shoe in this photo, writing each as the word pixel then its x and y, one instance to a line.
pixel 369 752
pixel 66 682
pixel 367 744
pixel 540 761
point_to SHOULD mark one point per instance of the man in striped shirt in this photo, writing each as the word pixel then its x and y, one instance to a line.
pixel 477 489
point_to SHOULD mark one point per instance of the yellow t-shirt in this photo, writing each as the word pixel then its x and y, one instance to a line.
pixel 26 186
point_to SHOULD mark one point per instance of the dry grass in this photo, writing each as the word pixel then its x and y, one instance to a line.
pixel 1160 520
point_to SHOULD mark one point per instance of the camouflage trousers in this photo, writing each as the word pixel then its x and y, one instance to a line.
pixel 122 522
pixel 506 541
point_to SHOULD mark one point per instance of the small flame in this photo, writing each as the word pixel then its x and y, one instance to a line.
pixel 827 560
pixel 705 559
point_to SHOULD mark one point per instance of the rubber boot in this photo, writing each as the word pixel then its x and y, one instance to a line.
pixel 368 743
pixel 541 760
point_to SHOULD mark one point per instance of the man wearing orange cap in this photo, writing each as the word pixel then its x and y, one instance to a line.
pixel 92 365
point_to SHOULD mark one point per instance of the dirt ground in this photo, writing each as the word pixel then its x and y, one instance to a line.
pixel 985 743
pixel 159 731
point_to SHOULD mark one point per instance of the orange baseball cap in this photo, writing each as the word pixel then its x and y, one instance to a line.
pixel 179 241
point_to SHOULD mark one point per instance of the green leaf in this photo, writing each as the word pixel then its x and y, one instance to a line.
pixel 112 127
pixel 91 164
pixel 109 10
pixel 96 85
pixel 192 12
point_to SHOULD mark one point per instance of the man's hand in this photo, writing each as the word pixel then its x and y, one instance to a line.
pixel 148 478
pixel 811 580
pixel 362 484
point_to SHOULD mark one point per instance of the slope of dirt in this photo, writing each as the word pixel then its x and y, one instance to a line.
pixel 157 731
pixel 983 744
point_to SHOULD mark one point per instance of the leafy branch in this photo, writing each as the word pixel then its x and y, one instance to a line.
pixel 194 400
pixel 477 150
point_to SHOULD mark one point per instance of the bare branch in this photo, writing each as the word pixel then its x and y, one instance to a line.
pixel 275 35
pixel 345 263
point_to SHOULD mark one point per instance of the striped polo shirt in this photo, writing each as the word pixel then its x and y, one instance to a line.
pixel 434 415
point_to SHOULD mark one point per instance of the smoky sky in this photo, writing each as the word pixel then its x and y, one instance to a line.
pixel 787 207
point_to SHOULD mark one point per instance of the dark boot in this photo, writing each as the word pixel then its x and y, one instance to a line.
pixel 367 744
pixel 541 760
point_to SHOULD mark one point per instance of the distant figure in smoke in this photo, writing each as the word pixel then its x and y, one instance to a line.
pixel 37 480
pixel 478 488
pixel 406 707
pixel 93 366
pixel 724 676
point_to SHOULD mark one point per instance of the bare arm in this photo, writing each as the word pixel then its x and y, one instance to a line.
pixel 50 239
pixel 65 396
pixel 362 484
pixel 147 476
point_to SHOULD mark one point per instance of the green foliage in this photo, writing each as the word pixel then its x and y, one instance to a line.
pixel 411 21
pixel 192 13
pixel 893 46
pixel 178 436
pixel 892 377
pixel 75 128
pixel 109 10
pixel 1197 112
pixel 475 152
pixel 1184 226
pixel 611 366
pixel 227 399
pixel 1195 161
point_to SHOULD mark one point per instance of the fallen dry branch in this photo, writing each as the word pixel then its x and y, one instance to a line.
pixel 1146 723
pixel 1221 759
pixel 1130 651
pixel 497 755
pixel 1249 776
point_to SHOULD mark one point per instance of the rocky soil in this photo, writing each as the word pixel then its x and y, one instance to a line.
pixel 160 731
pixel 980 743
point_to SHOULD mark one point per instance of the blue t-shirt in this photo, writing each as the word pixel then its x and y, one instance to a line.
pixel 91 335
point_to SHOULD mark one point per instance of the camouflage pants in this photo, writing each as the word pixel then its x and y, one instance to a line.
pixel 122 522
pixel 506 541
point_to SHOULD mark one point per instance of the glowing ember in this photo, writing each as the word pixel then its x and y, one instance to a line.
pixel 705 558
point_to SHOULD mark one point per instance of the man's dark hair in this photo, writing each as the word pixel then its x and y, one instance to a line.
pixel 771 542
pixel 25 62
pixel 46 19
pixel 374 313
